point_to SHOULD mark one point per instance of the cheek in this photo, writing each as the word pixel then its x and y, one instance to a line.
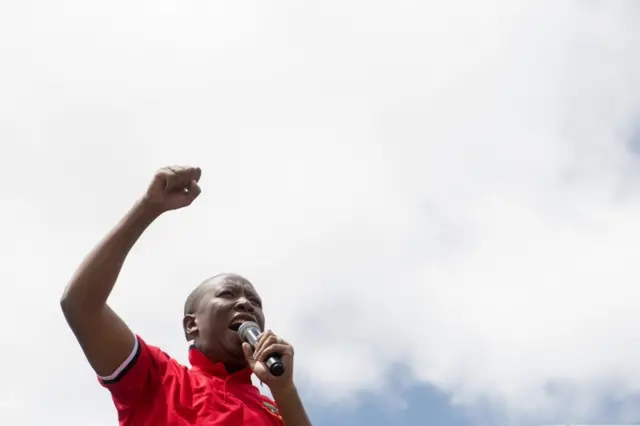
pixel 205 320
pixel 218 317
pixel 261 319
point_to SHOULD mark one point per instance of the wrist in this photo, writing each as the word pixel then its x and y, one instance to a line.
pixel 145 211
pixel 283 390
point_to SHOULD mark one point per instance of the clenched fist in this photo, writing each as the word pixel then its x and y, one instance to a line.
pixel 173 188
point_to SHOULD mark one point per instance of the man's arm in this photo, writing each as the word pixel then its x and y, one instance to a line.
pixel 290 406
pixel 105 339
pixel 284 391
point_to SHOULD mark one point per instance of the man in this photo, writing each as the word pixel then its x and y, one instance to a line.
pixel 147 386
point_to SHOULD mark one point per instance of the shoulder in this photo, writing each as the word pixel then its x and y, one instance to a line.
pixel 146 369
pixel 142 356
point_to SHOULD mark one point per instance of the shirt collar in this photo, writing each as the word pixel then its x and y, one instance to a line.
pixel 199 362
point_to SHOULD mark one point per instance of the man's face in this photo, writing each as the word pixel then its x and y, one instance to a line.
pixel 230 301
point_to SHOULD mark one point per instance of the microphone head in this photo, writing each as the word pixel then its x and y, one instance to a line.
pixel 246 326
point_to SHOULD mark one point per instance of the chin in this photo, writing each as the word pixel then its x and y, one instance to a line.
pixel 236 363
pixel 234 353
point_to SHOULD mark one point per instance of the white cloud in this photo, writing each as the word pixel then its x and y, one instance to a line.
pixel 461 166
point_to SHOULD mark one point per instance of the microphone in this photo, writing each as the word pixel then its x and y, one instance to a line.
pixel 250 333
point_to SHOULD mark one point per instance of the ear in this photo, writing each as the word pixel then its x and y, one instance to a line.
pixel 190 326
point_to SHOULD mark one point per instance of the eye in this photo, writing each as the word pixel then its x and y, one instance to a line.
pixel 225 294
pixel 256 302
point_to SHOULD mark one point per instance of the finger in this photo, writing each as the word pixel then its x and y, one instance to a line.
pixel 278 348
pixel 186 197
pixel 248 352
pixel 171 179
pixel 180 177
pixel 267 339
pixel 186 174
pixel 161 177
pixel 174 180
pixel 263 337
pixel 194 190
pixel 248 355
pixel 196 173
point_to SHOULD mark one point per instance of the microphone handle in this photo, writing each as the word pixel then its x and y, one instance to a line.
pixel 275 364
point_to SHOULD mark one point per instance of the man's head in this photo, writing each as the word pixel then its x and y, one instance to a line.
pixel 214 311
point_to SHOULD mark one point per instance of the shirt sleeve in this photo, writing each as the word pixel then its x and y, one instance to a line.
pixel 138 376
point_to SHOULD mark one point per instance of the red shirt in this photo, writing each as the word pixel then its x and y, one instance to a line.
pixel 153 389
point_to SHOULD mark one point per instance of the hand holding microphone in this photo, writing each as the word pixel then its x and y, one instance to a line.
pixel 270 357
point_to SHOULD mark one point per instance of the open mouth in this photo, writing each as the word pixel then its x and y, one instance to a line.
pixel 239 320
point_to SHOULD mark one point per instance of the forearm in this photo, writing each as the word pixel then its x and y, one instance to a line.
pixel 290 406
pixel 93 281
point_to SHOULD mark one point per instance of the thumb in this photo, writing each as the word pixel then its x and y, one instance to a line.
pixel 194 189
pixel 248 353
pixel 192 193
pixel 185 197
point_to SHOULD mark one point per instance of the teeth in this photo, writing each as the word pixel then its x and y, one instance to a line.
pixel 235 325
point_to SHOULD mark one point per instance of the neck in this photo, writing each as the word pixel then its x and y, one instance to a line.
pixel 234 366
pixel 231 366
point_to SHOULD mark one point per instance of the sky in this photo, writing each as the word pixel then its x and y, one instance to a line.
pixel 438 201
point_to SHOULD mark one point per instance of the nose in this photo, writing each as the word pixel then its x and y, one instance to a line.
pixel 243 304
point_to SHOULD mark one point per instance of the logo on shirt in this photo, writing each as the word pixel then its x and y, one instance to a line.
pixel 272 409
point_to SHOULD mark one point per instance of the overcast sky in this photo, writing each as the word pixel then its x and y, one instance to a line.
pixel 428 195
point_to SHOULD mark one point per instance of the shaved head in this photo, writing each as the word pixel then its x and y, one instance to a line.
pixel 211 312
pixel 191 304
pixel 209 286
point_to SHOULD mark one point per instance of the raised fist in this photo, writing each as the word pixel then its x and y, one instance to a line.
pixel 173 188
